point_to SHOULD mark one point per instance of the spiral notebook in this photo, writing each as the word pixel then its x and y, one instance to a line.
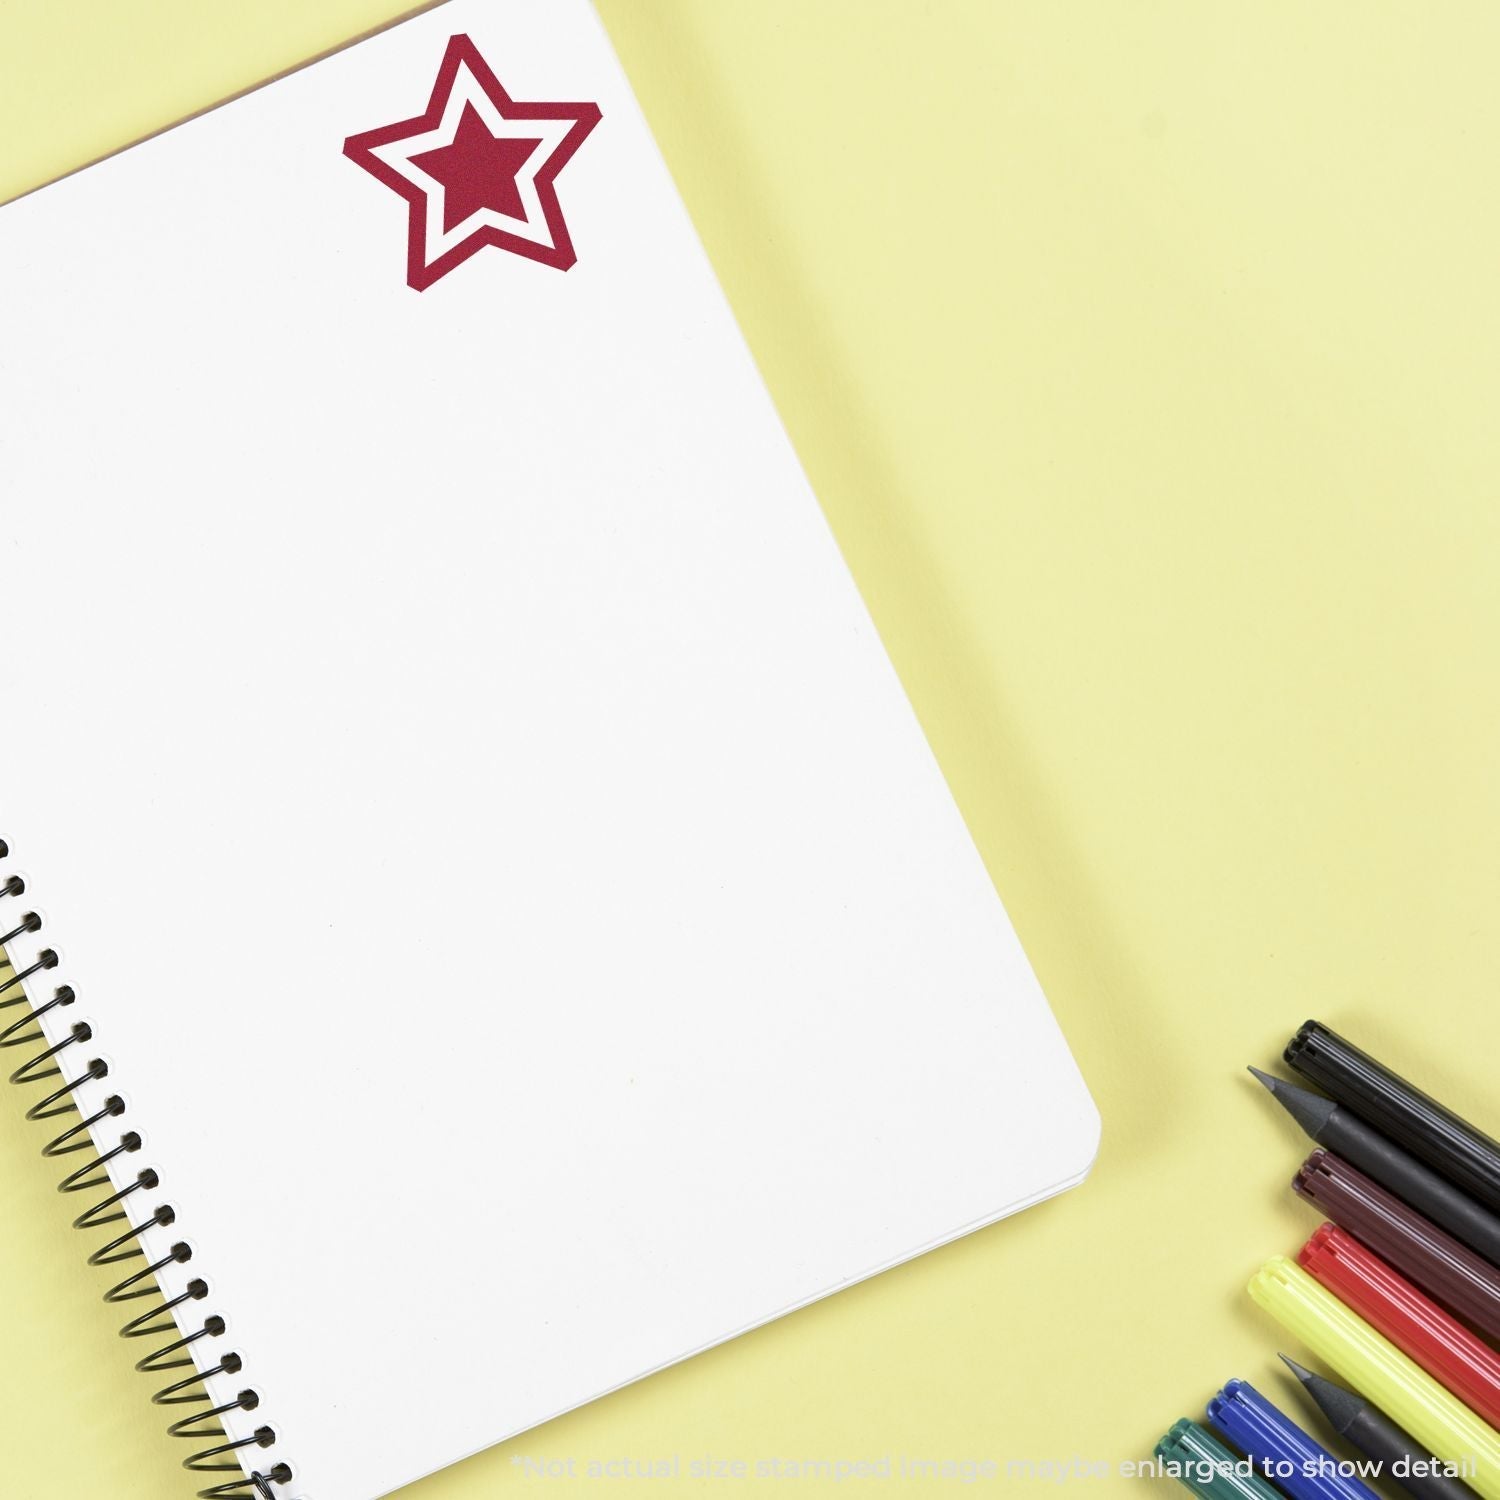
pixel 471 857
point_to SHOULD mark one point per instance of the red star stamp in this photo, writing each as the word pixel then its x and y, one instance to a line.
pixel 477 168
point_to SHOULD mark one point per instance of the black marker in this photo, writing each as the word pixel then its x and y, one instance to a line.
pixel 1449 1145
pixel 1365 1427
pixel 1397 1171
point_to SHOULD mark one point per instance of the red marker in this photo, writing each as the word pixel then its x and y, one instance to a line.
pixel 1411 1321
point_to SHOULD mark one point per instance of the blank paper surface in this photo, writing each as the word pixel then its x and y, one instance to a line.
pixel 500 865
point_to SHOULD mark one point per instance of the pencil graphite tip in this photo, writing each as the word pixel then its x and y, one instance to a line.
pixel 1311 1111
pixel 1341 1407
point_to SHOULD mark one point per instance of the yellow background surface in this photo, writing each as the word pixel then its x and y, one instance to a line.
pixel 1145 359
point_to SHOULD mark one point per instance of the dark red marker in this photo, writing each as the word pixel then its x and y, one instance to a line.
pixel 1452 1274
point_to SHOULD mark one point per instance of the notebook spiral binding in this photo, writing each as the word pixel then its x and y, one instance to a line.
pixel 221 1458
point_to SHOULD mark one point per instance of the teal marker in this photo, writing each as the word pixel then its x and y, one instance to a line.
pixel 1197 1459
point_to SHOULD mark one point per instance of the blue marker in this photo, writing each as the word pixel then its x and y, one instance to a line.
pixel 1281 1450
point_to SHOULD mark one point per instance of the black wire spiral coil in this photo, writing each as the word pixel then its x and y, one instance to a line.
pixel 220 1458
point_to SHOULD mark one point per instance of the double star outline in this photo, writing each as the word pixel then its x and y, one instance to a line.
pixel 461 53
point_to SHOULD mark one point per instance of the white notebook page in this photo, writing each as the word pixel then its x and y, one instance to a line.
pixel 464 785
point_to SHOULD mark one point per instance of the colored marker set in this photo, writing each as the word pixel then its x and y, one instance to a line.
pixel 1398 1293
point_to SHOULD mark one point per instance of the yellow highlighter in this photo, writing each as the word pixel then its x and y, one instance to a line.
pixel 1405 1392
